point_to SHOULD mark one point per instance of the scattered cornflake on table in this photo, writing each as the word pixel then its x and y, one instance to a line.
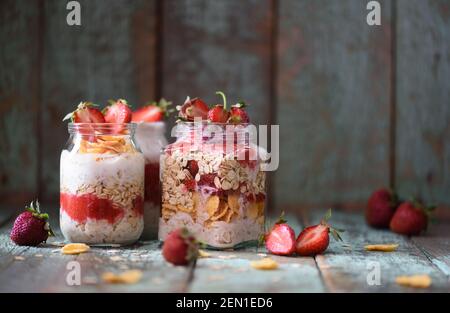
pixel 75 248
pixel 19 258
pixel 127 277
pixel 415 281
pixel 203 254
pixel 382 247
pixel 264 264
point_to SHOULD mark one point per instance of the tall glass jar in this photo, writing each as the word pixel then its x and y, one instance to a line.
pixel 150 138
pixel 101 185
pixel 212 183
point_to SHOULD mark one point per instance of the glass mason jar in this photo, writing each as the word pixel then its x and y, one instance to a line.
pixel 101 185
pixel 212 183
pixel 150 138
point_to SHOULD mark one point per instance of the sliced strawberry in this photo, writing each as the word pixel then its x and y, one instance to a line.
pixel 314 240
pixel 192 167
pixel 207 180
pixel 193 108
pixel 281 239
pixel 118 112
pixel 238 115
pixel 153 112
pixel 190 184
pixel 85 113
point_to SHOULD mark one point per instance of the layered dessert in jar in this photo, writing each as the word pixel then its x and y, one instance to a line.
pixel 211 177
pixel 150 137
pixel 101 177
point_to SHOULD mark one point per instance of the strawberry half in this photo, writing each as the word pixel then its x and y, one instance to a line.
pixel 180 247
pixel 219 113
pixel 85 113
pixel 381 207
pixel 238 115
pixel 411 218
pixel 281 238
pixel 31 227
pixel 118 112
pixel 315 239
pixel 191 109
pixel 153 112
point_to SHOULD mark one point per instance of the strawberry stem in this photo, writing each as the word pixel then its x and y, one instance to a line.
pixel 224 98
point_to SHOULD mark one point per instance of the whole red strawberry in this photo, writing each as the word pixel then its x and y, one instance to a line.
pixel 193 108
pixel 411 218
pixel 280 239
pixel 315 239
pixel 381 207
pixel 238 115
pixel 31 227
pixel 219 113
pixel 180 247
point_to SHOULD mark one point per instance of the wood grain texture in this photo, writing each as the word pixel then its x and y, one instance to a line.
pixel 333 103
pixel 423 100
pixel 346 270
pixel 111 55
pixel 218 45
pixel 231 272
pixel 19 100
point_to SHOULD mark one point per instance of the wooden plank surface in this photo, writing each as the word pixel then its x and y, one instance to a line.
pixel 333 103
pixel 44 268
pixel 231 272
pixel 218 45
pixel 423 98
pixel 19 100
pixel 111 55
pixel 346 270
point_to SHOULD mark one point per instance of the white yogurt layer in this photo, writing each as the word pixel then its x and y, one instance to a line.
pixel 126 231
pixel 78 169
pixel 150 139
pixel 219 235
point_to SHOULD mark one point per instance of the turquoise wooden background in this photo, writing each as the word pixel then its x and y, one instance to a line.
pixel 359 107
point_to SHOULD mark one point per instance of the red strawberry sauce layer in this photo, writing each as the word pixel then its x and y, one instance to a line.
pixel 81 207
pixel 152 186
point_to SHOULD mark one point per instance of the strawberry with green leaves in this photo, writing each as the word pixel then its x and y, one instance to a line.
pixel 31 227
pixel 411 218
pixel 238 115
pixel 219 113
pixel 180 247
pixel 152 112
pixel 315 239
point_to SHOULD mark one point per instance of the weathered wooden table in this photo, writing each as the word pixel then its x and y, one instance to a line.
pixel 340 269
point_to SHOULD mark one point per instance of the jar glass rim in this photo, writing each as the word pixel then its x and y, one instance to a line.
pixel 100 128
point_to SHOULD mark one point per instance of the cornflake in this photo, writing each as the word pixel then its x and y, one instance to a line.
pixel 127 277
pixel 415 281
pixel 74 248
pixel 382 247
pixel 264 264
